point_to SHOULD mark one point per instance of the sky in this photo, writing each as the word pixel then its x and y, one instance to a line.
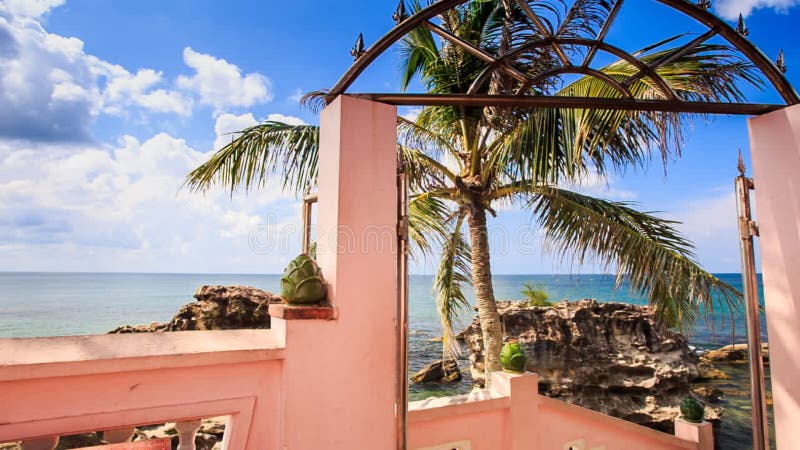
pixel 105 106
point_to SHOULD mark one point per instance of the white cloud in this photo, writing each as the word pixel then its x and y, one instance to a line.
pixel 730 9
pixel 31 8
pixel 121 207
pixel 296 96
pixel 52 90
pixel 227 125
pixel 711 224
pixel 139 89
pixel 290 120
pixel 411 114
pixel 221 84
pixel 602 186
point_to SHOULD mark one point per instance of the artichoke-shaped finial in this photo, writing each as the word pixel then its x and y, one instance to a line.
pixel 692 410
pixel 302 282
pixel 358 49
pixel 705 4
pixel 781 62
pixel 741 27
pixel 400 13
pixel 512 357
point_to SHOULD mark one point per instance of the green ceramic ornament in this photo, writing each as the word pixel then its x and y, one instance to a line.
pixel 512 358
pixel 302 282
pixel 692 410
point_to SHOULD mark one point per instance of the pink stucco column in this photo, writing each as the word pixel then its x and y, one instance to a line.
pixel 523 391
pixel 700 433
pixel 339 375
pixel 775 149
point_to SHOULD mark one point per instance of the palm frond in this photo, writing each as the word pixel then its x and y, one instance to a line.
pixel 645 250
pixel 427 223
pixel 453 274
pixel 289 152
pixel 553 144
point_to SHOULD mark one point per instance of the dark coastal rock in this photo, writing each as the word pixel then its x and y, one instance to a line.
pixel 216 308
pixel 707 371
pixel 608 357
pixel 208 437
pixel 442 371
pixel 708 393
pixel 734 354
pixel 79 441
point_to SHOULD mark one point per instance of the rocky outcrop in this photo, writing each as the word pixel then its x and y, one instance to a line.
pixel 734 354
pixel 216 308
pixel 442 371
pixel 609 357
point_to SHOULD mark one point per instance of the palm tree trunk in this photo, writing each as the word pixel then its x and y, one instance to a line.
pixel 484 293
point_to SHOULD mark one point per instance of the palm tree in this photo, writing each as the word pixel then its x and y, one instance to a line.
pixel 465 161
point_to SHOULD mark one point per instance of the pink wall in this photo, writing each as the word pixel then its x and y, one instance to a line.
pixel 775 149
pixel 339 388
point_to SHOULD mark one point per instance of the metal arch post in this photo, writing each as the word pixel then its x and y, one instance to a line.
pixel 401 401
pixel 747 230
pixel 308 203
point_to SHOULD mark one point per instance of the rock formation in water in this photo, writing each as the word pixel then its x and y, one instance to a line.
pixel 734 354
pixel 442 371
pixel 608 357
pixel 216 308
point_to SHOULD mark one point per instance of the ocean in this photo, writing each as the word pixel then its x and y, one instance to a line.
pixel 63 304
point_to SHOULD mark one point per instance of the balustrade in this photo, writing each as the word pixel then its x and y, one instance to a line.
pixel 187 430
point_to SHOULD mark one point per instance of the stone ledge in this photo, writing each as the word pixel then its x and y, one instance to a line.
pixel 288 312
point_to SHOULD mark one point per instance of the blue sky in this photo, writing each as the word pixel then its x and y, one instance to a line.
pixel 106 106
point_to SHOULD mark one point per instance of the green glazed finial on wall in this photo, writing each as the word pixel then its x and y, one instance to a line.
pixel 512 357
pixel 302 282
pixel 692 410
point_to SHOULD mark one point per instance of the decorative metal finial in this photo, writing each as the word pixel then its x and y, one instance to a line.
pixel 705 4
pixel 781 62
pixel 741 27
pixel 741 166
pixel 358 50
pixel 400 14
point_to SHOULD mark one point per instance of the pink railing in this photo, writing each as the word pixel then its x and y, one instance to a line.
pixel 62 386
pixel 512 415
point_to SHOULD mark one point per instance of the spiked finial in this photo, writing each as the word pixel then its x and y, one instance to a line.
pixel 781 62
pixel 400 14
pixel 358 50
pixel 705 4
pixel 741 27
pixel 741 166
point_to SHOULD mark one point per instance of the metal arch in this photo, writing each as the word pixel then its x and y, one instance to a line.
pixel 704 17
pixel 646 70
pixel 576 70
pixel 756 56
pixel 593 46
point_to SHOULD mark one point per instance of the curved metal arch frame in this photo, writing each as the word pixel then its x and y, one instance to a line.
pixel 715 25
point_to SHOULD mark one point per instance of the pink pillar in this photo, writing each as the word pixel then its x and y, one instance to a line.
pixel 775 149
pixel 523 391
pixel 700 433
pixel 339 375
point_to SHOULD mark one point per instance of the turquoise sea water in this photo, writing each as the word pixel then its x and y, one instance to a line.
pixel 61 304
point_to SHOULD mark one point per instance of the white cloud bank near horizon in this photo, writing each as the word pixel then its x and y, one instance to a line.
pixel 730 9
